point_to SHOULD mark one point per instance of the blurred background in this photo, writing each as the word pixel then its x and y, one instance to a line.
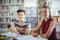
pixel 32 8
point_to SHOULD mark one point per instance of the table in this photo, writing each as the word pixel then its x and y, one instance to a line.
pixel 29 37
pixel 24 37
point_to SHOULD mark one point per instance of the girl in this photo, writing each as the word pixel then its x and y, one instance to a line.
pixel 46 25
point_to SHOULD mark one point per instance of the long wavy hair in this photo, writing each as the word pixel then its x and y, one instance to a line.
pixel 48 10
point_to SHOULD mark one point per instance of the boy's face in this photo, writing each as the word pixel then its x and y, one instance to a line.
pixel 11 27
pixel 21 15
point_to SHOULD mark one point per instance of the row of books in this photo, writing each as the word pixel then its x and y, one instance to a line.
pixel 3 25
pixel 4 7
pixel 31 10
pixel 10 1
pixel 31 16
pixel 2 19
pixel 34 19
pixel 15 7
pixel 4 14
pixel 7 14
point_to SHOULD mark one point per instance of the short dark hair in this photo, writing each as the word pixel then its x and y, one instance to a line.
pixel 20 10
pixel 8 25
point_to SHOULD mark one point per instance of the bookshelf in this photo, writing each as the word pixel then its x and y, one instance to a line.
pixel 7 10
pixel 31 16
pixel 55 12
pixel 39 6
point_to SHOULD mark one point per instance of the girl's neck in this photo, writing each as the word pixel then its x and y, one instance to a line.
pixel 46 19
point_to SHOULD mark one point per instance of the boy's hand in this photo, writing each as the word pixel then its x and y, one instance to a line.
pixel 26 32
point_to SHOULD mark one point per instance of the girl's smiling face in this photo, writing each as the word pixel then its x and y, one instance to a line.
pixel 44 12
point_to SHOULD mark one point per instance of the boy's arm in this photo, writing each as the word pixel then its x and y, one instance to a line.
pixel 26 32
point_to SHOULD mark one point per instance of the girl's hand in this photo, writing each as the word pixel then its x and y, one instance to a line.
pixel 34 34
pixel 44 35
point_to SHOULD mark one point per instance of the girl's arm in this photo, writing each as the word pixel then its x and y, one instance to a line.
pixel 48 31
pixel 35 31
pixel 38 27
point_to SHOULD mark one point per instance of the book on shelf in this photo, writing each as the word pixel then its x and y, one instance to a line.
pixel 18 1
pixel 15 1
pixel 2 14
pixel 59 12
pixel 4 1
pixel 11 14
pixel 8 1
pixel 0 20
pixel 12 8
pixel 4 7
pixel 0 25
pixel 15 8
pixel 8 7
pixel 0 7
pixel 12 1
pixel 18 7
pixel 4 19
pixel 0 1
pixel 27 19
pixel 6 14
pixel 3 25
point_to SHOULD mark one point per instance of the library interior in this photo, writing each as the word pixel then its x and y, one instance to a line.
pixel 29 19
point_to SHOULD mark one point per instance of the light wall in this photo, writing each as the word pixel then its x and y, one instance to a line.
pixel 55 6
pixel 30 3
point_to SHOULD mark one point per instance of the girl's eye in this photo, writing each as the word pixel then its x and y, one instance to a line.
pixel 43 12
